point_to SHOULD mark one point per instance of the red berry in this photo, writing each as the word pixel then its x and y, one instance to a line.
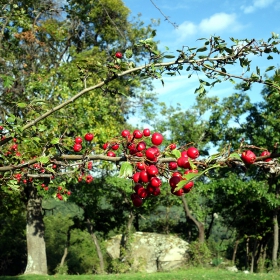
pixel 151 154
pixel 137 187
pixel 266 153
pixel 1 127
pixel 157 138
pixel 172 165
pixel 155 182
pixel 188 186
pixel 173 181
pixel 178 193
pixel 248 157
pixel 133 151
pixel 156 191
pixel 184 154
pixel 111 154
pixel 78 140
pixel 183 162
pixel 69 193
pixel 192 152
pixel 105 146
pixel 152 170
pixel 144 177
pixel 142 192
pixel 136 177
pixel 141 146
pixel 77 147
pixel 89 136
pixel 146 132
pixel 172 146
pixel 115 146
pixel 14 147
pixel 137 134
pixel 118 55
pixel 178 174
pixel 89 179
pixel 125 133
pixel 131 146
pixel 137 201
pixel 141 165
pixel 90 165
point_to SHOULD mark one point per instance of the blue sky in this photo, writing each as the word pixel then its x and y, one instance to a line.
pixel 202 18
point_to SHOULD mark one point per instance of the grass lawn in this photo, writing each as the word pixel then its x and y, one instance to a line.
pixel 190 274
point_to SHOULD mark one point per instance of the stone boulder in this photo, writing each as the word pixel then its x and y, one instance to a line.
pixel 151 252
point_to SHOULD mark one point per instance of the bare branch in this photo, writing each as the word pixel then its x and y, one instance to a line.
pixel 166 17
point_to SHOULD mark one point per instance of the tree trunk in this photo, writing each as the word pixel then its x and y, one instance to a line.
pixel 235 250
pixel 98 249
pixel 67 245
pixel 275 240
pixel 210 226
pixel 199 225
pixel 253 255
pixel 35 231
pixel 247 252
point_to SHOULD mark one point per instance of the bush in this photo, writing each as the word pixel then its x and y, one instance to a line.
pixel 200 254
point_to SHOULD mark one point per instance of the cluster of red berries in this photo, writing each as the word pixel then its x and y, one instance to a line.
pixel 146 180
pixel 147 168
pixel 88 178
pixel 77 147
pixel 61 191
pixel 249 157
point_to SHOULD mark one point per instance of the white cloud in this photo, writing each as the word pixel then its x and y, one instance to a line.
pixel 185 30
pixel 257 4
pixel 216 23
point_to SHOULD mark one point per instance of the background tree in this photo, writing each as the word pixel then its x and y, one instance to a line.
pixel 48 91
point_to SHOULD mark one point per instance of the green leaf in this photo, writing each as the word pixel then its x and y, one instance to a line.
pixel 169 56
pixel 128 53
pixel 36 139
pixel 13 184
pixel 11 119
pixel 55 141
pixel 126 170
pixel 21 105
pixel 235 156
pixel 269 68
pixel 270 57
pixel 43 159
pixel 203 49
pixel 191 164
pixel 176 153
pixel 7 81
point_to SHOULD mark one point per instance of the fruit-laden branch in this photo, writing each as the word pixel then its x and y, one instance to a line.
pixel 228 56
pixel 81 158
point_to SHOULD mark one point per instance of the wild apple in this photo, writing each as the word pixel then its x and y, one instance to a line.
pixel 192 152
pixel 157 138
pixel 248 157
pixel 77 147
pixel 118 55
pixel 88 137
pixel 266 153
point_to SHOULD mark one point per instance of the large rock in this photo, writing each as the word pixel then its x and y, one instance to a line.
pixel 151 252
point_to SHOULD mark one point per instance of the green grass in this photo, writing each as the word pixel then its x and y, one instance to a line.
pixel 190 274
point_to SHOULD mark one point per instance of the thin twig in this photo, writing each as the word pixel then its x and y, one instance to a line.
pixel 166 17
